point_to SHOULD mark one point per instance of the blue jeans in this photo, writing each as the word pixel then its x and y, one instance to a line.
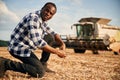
pixel 30 65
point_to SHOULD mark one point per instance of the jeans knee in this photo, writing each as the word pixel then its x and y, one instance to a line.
pixel 41 73
pixel 38 74
pixel 37 71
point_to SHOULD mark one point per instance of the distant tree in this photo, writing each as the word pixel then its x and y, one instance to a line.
pixel 3 43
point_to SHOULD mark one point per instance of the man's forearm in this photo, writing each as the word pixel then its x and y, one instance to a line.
pixel 50 49
pixel 60 42
pixel 58 39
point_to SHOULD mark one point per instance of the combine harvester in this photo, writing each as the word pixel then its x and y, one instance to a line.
pixel 93 34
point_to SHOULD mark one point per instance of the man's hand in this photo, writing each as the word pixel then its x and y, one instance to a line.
pixel 61 53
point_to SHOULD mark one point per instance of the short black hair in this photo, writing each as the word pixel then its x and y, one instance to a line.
pixel 51 3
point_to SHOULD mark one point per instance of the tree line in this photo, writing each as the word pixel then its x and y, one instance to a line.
pixel 3 43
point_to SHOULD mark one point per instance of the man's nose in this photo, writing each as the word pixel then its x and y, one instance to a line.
pixel 48 14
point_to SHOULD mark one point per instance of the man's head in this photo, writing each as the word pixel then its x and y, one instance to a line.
pixel 48 10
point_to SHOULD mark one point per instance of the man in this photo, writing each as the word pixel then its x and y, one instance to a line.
pixel 32 32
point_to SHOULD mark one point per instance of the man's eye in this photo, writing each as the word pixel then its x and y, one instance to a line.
pixel 47 10
pixel 51 13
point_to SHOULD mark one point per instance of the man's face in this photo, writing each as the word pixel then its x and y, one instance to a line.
pixel 47 12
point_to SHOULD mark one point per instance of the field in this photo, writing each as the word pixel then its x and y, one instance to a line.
pixel 88 66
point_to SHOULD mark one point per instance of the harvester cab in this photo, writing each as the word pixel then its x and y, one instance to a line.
pixel 87 28
pixel 84 30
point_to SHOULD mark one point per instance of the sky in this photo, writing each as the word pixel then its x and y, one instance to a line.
pixel 68 13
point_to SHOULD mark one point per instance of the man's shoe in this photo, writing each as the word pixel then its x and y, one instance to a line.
pixel 2 66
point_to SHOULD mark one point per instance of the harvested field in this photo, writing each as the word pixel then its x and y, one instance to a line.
pixel 88 66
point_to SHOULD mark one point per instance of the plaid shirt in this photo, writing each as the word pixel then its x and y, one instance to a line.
pixel 28 35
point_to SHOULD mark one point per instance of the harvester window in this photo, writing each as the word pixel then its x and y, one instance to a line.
pixel 87 30
pixel 84 31
pixel 79 30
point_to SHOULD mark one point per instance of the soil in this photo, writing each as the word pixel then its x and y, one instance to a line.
pixel 76 66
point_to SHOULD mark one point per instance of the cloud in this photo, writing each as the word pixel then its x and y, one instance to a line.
pixel 62 23
pixel 6 15
pixel 75 2
pixel 5 35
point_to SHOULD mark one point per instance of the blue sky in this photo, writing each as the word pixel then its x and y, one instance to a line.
pixel 68 13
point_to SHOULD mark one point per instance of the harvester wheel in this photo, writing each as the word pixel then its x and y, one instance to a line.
pixel 79 50
pixel 116 53
pixel 95 52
